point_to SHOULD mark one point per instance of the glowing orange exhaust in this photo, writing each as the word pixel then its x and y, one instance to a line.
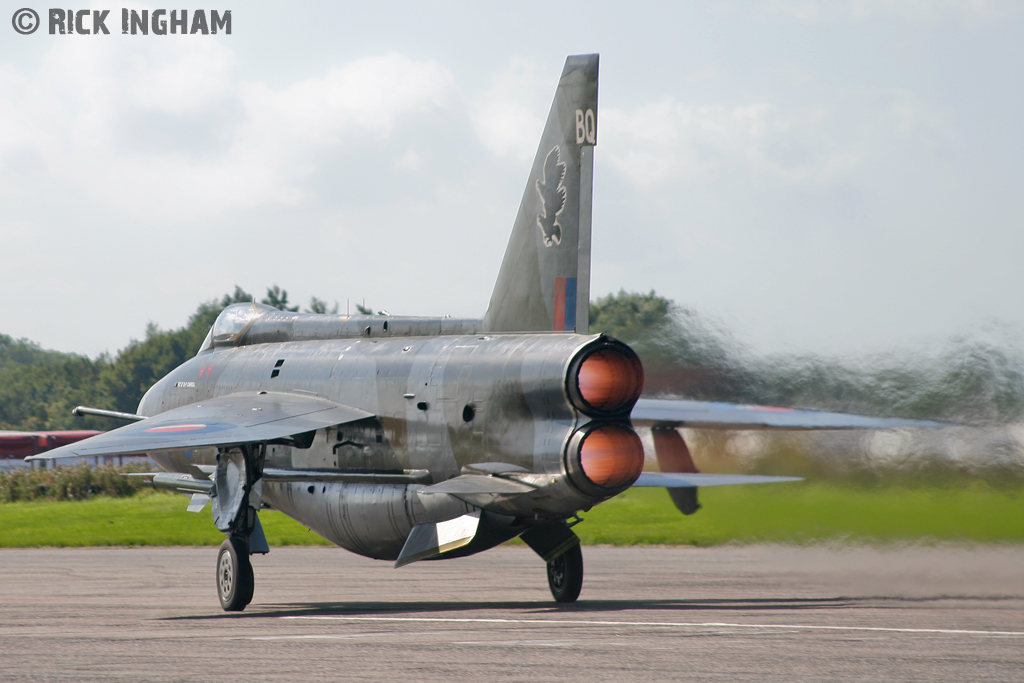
pixel 611 456
pixel 607 380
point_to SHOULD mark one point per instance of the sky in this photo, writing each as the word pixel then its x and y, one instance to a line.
pixel 828 177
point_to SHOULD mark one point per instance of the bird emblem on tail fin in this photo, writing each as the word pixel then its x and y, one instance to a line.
pixel 552 198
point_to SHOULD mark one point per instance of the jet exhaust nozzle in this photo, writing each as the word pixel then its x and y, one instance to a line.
pixel 606 379
pixel 604 459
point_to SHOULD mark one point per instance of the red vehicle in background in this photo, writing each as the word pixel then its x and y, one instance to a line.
pixel 18 445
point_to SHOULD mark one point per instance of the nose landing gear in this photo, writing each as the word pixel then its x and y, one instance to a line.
pixel 236 496
pixel 235 581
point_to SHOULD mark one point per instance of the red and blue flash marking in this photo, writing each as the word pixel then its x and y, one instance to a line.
pixel 190 428
pixel 565 304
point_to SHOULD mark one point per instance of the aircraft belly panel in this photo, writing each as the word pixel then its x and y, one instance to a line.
pixel 372 520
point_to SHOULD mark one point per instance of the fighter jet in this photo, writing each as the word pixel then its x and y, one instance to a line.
pixel 408 438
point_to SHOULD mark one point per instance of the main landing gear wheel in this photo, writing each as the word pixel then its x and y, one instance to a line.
pixel 235 581
pixel 565 575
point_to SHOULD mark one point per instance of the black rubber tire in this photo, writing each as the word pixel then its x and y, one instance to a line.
pixel 235 580
pixel 249 584
pixel 565 575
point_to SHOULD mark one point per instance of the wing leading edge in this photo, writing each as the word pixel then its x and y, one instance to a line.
pixel 681 480
pixel 650 412
pixel 249 417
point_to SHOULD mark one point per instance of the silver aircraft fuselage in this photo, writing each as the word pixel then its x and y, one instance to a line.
pixel 440 404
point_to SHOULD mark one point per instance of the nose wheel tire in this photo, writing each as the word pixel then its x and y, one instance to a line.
pixel 235 581
pixel 565 575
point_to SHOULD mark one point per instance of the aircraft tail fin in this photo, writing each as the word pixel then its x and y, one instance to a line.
pixel 544 281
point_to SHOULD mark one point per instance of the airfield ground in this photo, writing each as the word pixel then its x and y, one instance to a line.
pixel 752 613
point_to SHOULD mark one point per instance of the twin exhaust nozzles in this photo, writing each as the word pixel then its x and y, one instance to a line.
pixel 604 382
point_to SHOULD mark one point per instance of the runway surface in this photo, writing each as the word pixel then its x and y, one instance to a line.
pixel 765 613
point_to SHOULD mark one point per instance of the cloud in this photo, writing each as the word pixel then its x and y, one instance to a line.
pixel 509 116
pixel 916 11
pixel 668 142
pixel 170 129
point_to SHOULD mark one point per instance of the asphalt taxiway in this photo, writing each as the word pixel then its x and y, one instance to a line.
pixel 762 613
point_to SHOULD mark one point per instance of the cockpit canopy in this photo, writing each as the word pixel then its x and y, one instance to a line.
pixel 253 323
pixel 232 323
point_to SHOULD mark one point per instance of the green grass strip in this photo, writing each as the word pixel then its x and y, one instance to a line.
pixel 781 513
pixel 154 518
pixel 805 512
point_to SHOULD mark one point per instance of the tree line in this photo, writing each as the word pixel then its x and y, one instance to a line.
pixel 39 387
pixel 684 354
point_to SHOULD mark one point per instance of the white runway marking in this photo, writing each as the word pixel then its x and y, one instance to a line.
pixel 664 624
pixel 312 637
pixel 527 643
